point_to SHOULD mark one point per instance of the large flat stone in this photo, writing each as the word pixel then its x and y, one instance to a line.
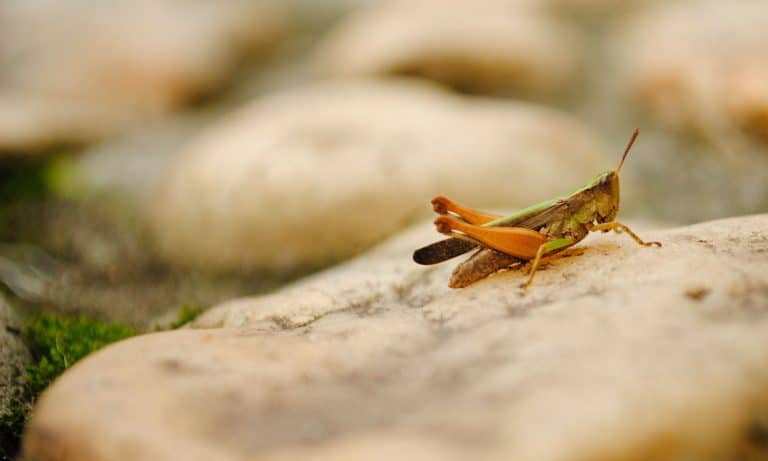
pixel 617 352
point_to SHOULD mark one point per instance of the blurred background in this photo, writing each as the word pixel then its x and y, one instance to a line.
pixel 158 153
pixel 165 153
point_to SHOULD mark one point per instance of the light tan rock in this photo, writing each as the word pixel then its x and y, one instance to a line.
pixel 486 46
pixel 76 71
pixel 619 353
pixel 309 176
pixel 700 65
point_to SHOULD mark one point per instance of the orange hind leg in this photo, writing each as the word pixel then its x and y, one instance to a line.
pixel 443 205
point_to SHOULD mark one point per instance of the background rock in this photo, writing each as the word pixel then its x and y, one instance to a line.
pixel 310 176
pixel 596 9
pixel 700 65
pixel 666 68
pixel 131 166
pixel 601 359
pixel 75 72
pixel 487 46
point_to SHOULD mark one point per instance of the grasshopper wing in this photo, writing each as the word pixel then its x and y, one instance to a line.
pixel 442 250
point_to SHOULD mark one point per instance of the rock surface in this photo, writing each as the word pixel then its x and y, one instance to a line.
pixel 486 46
pixel 77 71
pixel 313 175
pixel 618 353
pixel 14 356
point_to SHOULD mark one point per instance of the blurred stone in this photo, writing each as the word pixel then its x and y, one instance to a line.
pixel 591 8
pixel 306 177
pixel 747 97
pixel 488 46
pixel 618 353
pixel 700 65
pixel 322 13
pixel 14 357
pixel 75 71
pixel 130 166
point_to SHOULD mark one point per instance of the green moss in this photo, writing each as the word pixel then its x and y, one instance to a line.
pixel 39 177
pixel 57 343
pixel 11 426
pixel 186 314
pixel 63 178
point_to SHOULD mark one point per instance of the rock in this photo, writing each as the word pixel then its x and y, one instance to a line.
pixel 132 165
pixel 620 352
pixel 487 46
pixel 14 357
pixel 320 14
pixel 77 71
pixel 590 8
pixel 309 176
pixel 700 65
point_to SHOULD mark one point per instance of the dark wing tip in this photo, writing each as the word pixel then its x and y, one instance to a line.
pixel 423 256
pixel 442 250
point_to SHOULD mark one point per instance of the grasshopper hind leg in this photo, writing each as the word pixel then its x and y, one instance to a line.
pixel 443 205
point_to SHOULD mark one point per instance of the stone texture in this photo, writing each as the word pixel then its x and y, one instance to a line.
pixel 486 46
pixel 618 352
pixel 313 175
pixel 700 65
pixel 76 71
pixel 14 356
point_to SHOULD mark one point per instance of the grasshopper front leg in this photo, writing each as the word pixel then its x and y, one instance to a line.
pixel 548 247
pixel 619 228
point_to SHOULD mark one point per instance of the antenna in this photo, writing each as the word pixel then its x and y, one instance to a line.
pixel 626 151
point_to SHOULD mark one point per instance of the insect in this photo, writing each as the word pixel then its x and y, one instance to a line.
pixel 527 235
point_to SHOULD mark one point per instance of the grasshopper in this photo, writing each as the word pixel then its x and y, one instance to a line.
pixel 529 234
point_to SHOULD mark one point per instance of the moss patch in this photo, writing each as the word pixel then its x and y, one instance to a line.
pixel 186 314
pixel 11 427
pixel 57 343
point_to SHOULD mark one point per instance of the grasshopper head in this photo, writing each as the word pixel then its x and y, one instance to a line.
pixel 607 190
